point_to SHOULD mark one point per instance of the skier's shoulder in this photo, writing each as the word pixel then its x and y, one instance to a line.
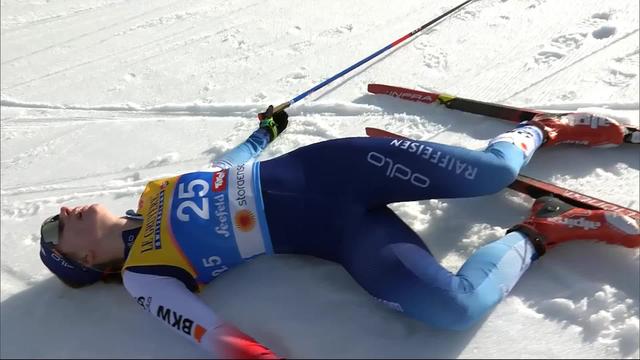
pixel 145 277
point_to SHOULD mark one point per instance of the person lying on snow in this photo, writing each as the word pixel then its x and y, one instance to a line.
pixel 329 200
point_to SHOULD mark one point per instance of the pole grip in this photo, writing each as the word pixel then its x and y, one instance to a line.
pixel 263 115
pixel 281 107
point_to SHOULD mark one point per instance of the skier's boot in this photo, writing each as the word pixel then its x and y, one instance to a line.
pixel 553 221
pixel 579 128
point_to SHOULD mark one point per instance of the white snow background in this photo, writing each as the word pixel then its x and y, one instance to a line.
pixel 100 96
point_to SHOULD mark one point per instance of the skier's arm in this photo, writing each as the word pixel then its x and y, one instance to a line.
pixel 269 129
pixel 168 300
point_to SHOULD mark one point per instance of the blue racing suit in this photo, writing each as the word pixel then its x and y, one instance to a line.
pixel 330 199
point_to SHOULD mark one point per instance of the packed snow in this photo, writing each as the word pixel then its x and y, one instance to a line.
pixel 101 96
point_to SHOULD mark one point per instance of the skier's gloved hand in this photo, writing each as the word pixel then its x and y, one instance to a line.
pixel 273 123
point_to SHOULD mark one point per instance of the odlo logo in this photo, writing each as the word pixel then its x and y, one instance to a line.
pixel 61 260
pixel 397 170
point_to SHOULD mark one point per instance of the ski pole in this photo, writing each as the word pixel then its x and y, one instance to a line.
pixel 365 60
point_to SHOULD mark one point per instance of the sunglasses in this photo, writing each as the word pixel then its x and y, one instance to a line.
pixel 50 230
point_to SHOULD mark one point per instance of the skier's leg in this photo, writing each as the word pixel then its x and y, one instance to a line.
pixel 377 171
pixel 391 263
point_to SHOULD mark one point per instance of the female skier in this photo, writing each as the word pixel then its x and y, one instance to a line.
pixel 328 200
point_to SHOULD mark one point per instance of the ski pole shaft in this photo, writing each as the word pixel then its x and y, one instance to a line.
pixel 367 59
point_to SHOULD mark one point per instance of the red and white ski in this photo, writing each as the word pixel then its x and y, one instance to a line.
pixel 499 111
pixel 538 188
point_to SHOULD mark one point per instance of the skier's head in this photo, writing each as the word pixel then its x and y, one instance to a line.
pixel 72 244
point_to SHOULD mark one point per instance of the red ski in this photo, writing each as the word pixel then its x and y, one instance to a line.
pixel 537 188
pixel 499 111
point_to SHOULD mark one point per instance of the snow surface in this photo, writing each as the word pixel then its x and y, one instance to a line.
pixel 100 96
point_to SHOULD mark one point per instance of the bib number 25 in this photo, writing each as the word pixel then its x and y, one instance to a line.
pixel 214 261
pixel 200 209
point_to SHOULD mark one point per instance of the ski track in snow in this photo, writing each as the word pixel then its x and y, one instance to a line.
pixel 99 97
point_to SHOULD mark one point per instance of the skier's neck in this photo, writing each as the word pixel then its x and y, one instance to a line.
pixel 113 246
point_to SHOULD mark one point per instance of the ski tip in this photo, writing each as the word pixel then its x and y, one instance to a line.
pixel 375 88
pixel 370 131
pixel 375 132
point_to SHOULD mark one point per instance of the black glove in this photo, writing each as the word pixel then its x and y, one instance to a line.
pixel 274 123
